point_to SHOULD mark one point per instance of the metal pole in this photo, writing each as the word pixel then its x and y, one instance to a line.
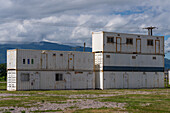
pixel 84 46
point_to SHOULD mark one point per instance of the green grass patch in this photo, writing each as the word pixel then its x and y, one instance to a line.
pixel 99 110
pixel 3 86
pixel 28 101
pixel 142 103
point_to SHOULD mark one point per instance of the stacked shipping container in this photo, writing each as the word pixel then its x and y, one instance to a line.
pixel 128 60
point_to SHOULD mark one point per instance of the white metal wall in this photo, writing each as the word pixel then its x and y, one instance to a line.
pixel 139 43
pixel 133 80
pixel 50 60
pixel 11 59
pixel 11 80
pixel 46 80
pixel 139 60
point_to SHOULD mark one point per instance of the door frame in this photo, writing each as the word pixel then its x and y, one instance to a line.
pixel 69 61
pixel 155 46
pixel 119 44
pixel 137 45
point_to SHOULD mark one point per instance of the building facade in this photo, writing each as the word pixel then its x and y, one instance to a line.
pixel 128 60
pixel 46 70
pixel 117 60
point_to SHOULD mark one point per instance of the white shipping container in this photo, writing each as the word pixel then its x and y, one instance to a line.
pixel 128 60
pixel 48 70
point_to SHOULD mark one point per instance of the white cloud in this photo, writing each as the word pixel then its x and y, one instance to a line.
pixel 73 21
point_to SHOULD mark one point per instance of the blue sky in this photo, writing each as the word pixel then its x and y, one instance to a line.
pixel 65 21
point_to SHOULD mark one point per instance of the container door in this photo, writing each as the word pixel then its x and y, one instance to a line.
pixel 89 81
pixel 35 81
pixel 118 44
pixel 138 45
pixel 44 60
pixel 157 46
pixel 125 81
pixel 71 61
pixel 68 81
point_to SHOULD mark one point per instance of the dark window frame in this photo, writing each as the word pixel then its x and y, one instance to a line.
pixel 28 61
pixel 150 42
pixel 129 41
pixel 24 61
pixel 110 39
pixel 107 56
pixel 32 61
pixel 58 77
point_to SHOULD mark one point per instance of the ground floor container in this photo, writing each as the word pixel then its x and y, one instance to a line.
pixel 112 79
pixel 50 80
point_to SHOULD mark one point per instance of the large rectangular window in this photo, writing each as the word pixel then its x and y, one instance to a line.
pixel 150 42
pixel 110 39
pixel 129 41
pixel 25 76
pixel 58 77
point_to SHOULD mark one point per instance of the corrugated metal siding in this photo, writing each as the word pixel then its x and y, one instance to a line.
pixel 133 80
pixel 127 60
pixel 46 80
pixel 55 60
pixel 11 59
pixel 11 80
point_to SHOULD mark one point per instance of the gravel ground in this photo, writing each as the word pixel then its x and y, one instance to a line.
pixel 80 101
pixel 69 105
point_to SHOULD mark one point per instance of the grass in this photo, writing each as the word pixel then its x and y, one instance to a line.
pixel 143 103
pixel 137 100
pixel 3 86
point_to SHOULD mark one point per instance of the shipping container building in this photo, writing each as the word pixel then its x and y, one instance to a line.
pixel 128 60
pixel 48 70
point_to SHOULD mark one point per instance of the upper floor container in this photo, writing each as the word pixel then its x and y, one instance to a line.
pixel 33 60
pixel 127 43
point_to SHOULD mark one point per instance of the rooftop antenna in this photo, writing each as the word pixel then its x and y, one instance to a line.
pixel 150 30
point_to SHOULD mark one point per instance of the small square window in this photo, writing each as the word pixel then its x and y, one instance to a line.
pixel 61 54
pixel 23 61
pixel 133 57
pixel 110 39
pixel 58 77
pixel 150 42
pixel 28 61
pixel 25 76
pixel 129 41
pixel 54 54
pixel 107 56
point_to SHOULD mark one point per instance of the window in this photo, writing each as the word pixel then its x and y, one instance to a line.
pixel 133 57
pixel 107 56
pixel 25 76
pixel 32 61
pixel 54 54
pixel 150 42
pixel 110 39
pixel 129 41
pixel 58 77
pixel 28 61
pixel 23 61
pixel 154 58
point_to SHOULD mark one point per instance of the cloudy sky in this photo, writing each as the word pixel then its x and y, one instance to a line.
pixel 73 21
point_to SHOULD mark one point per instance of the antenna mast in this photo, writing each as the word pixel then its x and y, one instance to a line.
pixel 150 30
